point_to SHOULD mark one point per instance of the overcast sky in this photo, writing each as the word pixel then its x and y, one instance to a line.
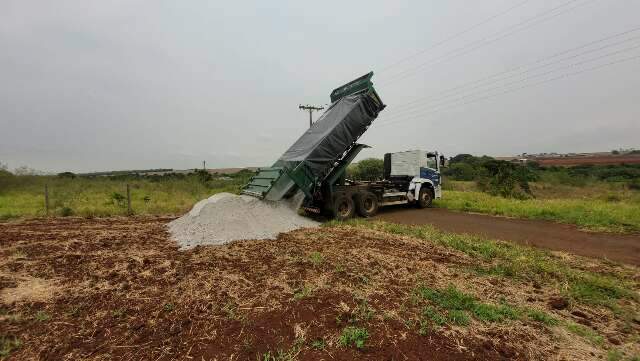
pixel 101 85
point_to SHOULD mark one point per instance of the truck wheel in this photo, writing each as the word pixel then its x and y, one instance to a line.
pixel 367 204
pixel 425 198
pixel 343 207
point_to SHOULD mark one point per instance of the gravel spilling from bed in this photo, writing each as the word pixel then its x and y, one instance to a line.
pixel 226 217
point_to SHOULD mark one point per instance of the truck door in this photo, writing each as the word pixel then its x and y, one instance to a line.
pixel 432 170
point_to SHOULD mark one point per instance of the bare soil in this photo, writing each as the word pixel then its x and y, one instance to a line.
pixel 544 234
pixel 119 289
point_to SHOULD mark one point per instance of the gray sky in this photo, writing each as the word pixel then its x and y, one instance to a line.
pixel 99 85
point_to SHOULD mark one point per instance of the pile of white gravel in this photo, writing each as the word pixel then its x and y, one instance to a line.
pixel 226 217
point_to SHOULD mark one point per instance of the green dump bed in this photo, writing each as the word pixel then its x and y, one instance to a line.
pixel 312 158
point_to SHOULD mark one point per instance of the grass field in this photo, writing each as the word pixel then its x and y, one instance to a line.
pixel 599 207
pixel 96 197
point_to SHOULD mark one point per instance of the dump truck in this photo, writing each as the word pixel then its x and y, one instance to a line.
pixel 315 165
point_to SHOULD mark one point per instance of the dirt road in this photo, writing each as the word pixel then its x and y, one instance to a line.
pixel 544 234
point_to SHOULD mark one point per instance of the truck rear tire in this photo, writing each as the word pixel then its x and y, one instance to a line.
pixel 343 207
pixel 367 205
pixel 425 199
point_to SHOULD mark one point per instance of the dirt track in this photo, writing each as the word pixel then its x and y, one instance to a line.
pixel 544 234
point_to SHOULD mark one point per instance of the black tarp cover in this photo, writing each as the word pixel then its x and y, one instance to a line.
pixel 333 133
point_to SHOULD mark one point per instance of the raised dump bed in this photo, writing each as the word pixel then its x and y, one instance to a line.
pixel 326 148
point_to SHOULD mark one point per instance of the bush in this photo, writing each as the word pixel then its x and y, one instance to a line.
pixel 507 180
pixel 66 212
pixel 463 171
pixel 369 169
pixel 69 175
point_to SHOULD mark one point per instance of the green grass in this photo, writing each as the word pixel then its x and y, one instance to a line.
pixel 452 306
pixel 316 258
pixel 585 332
pixel 318 344
pixel 353 336
pixel 23 196
pixel 623 215
pixel 519 262
pixel 302 293
pixel 8 345
pixel 42 316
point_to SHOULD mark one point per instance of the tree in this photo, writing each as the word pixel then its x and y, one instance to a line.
pixel 70 175
pixel 369 169
pixel 4 170
pixel 24 170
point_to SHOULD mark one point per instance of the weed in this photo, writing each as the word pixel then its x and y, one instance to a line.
pixel 453 306
pixel 19 254
pixel 363 312
pixel 168 307
pixel 614 355
pixel 431 319
pixel 587 333
pixel 301 293
pixel 282 355
pixel 118 199
pixel 13 317
pixel 74 311
pixel 458 317
pixel 355 336
pixel 542 317
pixel 42 316
pixel 120 312
pixel 230 310
pixel 8 345
pixel 316 258
pixel 319 344
pixel 449 298
pixel 495 313
pixel 66 212
pixel 364 279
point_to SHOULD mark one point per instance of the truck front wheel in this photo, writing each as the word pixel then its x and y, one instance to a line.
pixel 367 204
pixel 425 198
pixel 343 207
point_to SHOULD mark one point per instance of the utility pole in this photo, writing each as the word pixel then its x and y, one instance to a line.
pixel 310 108
pixel 204 165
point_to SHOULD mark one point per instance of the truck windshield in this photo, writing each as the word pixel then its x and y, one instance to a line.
pixel 432 162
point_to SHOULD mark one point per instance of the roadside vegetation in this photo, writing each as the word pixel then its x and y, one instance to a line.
pixel 96 196
pixel 601 198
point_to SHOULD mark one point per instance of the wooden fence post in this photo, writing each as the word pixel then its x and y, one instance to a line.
pixel 128 200
pixel 46 199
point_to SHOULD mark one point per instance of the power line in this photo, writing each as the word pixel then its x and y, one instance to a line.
pixel 508 91
pixel 487 40
pixel 494 78
pixel 454 36
pixel 455 100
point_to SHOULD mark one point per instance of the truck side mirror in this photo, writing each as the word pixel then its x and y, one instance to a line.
pixel 442 160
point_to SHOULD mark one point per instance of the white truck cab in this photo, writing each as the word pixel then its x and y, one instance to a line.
pixel 420 173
